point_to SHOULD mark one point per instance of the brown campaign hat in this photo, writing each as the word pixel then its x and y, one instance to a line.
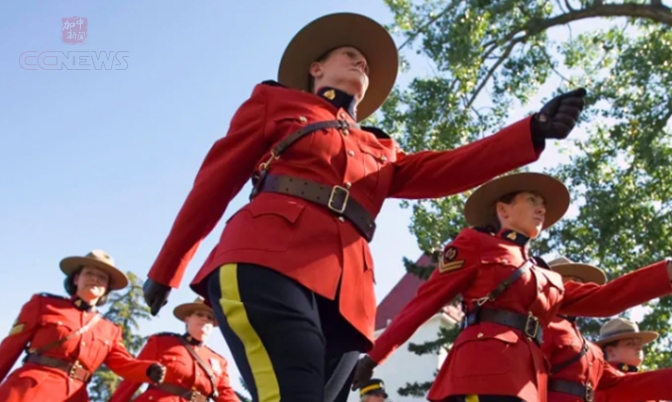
pixel 588 273
pixel 96 259
pixel 621 328
pixel 479 209
pixel 181 311
pixel 338 30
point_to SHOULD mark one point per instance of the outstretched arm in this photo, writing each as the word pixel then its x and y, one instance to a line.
pixel 629 290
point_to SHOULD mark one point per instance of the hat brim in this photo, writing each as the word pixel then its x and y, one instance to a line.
pixel 645 336
pixel 479 209
pixel 588 273
pixel 330 32
pixel 181 311
pixel 118 280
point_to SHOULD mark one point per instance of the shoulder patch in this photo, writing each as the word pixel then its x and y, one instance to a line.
pixel 449 260
pixel 17 328
pixel 53 296
pixel 272 83
pixel 377 132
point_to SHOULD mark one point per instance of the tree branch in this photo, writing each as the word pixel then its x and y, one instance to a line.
pixel 432 20
pixel 494 68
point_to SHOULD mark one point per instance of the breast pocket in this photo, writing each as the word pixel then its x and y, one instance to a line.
pixel 54 328
pixel 178 365
pixel 376 168
pixel 96 351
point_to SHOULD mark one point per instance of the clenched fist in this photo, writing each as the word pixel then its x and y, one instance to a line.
pixel 156 372
pixel 558 117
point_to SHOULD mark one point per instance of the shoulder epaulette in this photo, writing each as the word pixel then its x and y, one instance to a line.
pixel 377 132
pixel 272 83
pixel 541 263
pixel 53 296
pixel 168 334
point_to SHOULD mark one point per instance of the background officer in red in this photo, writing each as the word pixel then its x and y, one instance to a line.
pixel 67 339
pixel 187 378
pixel 622 343
pixel 578 369
pixel 291 280
pixel 508 296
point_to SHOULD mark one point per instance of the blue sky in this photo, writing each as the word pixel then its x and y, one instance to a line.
pixel 104 158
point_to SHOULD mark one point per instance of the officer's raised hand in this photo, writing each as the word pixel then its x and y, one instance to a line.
pixel 156 295
pixel 363 372
pixel 156 372
pixel 558 117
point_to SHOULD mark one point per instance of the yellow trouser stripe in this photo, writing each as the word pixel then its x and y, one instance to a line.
pixel 471 398
pixel 234 310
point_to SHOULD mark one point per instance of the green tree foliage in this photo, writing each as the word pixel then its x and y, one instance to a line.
pixel 126 309
pixel 491 56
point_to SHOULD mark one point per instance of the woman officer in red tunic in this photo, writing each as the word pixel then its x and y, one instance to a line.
pixel 67 339
pixel 508 296
pixel 291 279
pixel 187 379
pixel 579 372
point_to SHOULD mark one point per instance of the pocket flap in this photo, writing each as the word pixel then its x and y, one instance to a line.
pixel 278 206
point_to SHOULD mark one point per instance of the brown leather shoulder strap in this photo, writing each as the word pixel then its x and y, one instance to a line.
pixel 96 318
pixel 205 366
pixel 297 135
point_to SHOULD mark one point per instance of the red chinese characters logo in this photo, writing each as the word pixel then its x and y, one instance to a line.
pixel 73 30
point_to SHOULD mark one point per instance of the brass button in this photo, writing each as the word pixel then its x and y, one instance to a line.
pixel 303 119
pixel 348 185
pixel 340 218
pixel 346 131
pixel 83 343
pixel 480 335
pixel 383 158
pixel 342 115
pixel 351 152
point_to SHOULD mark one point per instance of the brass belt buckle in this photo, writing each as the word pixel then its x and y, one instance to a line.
pixel 73 369
pixel 531 326
pixel 590 393
pixel 334 191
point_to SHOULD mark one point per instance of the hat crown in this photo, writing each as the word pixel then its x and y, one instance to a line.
pixel 560 261
pixel 617 326
pixel 100 255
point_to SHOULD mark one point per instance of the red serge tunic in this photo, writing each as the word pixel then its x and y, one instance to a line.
pixel 182 370
pixel 489 358
pixel 563 341
pixel 301 239
pixel 47 318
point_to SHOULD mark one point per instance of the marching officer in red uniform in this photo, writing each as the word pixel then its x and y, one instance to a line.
pixel 508 296
pixel 622 342
pixel 578 369
pixel 291 279
pixel 195 373
pixel 67 339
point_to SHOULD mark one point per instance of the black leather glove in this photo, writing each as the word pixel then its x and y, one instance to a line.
pixel 363 372
pixel 156 295
pixel 558 117
pixel 156 372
